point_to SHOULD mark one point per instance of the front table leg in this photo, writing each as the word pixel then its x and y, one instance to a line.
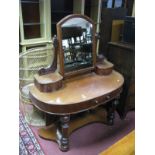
pixel 111 112
pixel 62 133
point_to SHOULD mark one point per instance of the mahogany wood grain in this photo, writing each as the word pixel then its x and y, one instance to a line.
pixel 104 68
pixel 49 82
pixel 79 93
pixel 111 111
pixel 63 134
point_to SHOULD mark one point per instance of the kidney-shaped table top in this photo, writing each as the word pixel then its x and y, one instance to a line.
pixel 78 93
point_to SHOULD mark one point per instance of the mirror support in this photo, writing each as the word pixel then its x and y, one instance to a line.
pixel 48 79
pixel 52 68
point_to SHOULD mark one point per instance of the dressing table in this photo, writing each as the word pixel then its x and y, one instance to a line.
pixel 82 82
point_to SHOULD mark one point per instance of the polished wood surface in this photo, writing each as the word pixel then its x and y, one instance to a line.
pixel 79 93
pixel 104 68
pixel 125 146
pixel 49 82
pixel 49 78
pixel 74 92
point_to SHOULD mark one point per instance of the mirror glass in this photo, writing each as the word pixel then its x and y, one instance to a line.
pixel 77 44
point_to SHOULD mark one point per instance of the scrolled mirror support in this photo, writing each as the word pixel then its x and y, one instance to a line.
pixel 52 68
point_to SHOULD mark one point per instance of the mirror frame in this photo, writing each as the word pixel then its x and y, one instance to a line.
pixel 60 49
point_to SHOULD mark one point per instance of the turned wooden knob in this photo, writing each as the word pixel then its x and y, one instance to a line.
pixel 96 101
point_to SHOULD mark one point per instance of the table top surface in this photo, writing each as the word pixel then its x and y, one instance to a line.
pixel 80 89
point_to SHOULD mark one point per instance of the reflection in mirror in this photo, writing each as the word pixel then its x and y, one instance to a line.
pixel 77 44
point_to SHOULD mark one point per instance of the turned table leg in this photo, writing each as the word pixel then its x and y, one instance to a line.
pixel 111 112
pixel 62 133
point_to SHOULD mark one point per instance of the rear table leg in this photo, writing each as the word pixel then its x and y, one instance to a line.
pixel 111 112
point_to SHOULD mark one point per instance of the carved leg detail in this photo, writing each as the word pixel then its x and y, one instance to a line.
pixel 62 133
pixel 111 112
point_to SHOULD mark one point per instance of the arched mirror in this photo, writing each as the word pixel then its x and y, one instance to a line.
pixel 76 37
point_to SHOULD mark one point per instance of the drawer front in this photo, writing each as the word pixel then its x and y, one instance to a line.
pixel 108 97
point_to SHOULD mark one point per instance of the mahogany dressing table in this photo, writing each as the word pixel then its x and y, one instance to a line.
pixel 83 82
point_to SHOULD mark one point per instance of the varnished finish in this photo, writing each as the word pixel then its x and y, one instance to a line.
pixel 63 134
pixel 104 68
pixel 49 82
pixel 79 93
pixel 111 111
pixel 78 72
pixel 52 68
pixel 60 49
pixel 98 115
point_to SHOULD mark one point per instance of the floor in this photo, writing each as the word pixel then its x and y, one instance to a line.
pixel 125 146
pixel 91 139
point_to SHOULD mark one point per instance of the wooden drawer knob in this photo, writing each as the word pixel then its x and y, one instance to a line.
pixel 96 101
pixel 108 97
